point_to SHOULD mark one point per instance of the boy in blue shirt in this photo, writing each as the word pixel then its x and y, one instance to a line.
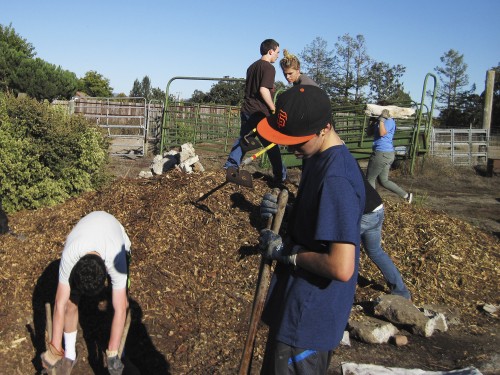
pixel 312 289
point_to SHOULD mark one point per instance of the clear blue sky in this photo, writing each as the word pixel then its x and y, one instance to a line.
pixel 126 40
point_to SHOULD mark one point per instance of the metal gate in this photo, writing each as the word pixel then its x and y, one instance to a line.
pixel 125 121
pixel 461 146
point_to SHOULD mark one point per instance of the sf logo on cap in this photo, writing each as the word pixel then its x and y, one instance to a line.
pixel 282 117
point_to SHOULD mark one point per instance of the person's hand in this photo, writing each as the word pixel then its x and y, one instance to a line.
pixel 268 206
pixel 51 357
pixel 115 365
pixel 272 248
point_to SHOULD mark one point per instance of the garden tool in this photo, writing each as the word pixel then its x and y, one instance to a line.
pixel 242 177
pixel 262 285
pixel 250 142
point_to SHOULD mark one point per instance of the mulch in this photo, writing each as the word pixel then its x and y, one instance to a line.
pixel 194 271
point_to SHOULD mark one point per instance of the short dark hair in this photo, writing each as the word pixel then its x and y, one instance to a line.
pixel 268 44
pixel 88 276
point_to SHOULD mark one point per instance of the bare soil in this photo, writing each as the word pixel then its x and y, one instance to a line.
pixel 195 265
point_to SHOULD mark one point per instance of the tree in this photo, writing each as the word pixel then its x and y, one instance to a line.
pixel 13 51
pixel 351 69
pixel 385 84
pixel 143 89
pixel 453 77
pixel 495 114
pixel 226 92
pixel 42 80
pixel 94 84
pixel 317 62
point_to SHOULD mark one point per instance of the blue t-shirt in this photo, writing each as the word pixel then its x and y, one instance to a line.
pixel 303 309
pixel 385 143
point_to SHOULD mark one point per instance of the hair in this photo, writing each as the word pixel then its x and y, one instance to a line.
pixel 88 275
pixel 289 61
pixel 268 44
pixel 385 113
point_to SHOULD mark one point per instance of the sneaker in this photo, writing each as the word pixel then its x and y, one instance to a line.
pixel 409 198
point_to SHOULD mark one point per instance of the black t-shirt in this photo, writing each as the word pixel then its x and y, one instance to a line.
pixel 260 74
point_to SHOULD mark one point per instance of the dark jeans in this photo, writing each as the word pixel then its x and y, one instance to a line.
pixel 249 122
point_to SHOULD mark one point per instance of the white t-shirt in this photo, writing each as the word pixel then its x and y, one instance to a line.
pixel 100 232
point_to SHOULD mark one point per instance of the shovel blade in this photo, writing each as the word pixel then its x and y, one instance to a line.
pixel 239 177
pixel 249 143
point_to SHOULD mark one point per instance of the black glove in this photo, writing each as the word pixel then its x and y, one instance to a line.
pixel 268 206
pixel 272 247
pixel 115 365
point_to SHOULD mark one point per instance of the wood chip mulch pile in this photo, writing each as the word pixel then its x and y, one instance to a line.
pixel 194 271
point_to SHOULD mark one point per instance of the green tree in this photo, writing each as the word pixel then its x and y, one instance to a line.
pixel 495 113
pixel 226 92
pixel 351 69
pixel 42 80
pixel 94 84
pixel 318 62
pixel 198 96
pixel 385 84
pixel 453 77
pixel 13 50
pixel 144 89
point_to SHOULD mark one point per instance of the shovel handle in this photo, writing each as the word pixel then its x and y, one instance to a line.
pixel 257 154
pixel 262 286
pixel 124 334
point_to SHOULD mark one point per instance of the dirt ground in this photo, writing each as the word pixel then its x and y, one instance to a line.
pixel 195 264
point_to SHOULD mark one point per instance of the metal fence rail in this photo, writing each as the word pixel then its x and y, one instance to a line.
pixel 461 146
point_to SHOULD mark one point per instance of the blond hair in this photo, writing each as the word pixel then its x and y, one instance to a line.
pixel 289 61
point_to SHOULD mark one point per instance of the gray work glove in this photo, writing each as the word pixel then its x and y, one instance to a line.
pixel 272 248
pixel 115 364
pixel 268 206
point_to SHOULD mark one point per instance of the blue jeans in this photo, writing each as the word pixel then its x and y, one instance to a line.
pixel 249 122
pixel 371 237
pixel 379 166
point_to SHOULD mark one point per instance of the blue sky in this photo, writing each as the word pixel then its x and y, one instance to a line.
pixel 126 40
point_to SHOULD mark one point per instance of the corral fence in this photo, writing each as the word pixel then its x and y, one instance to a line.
pixel 131 123
pixel 215 127
pixel 461 146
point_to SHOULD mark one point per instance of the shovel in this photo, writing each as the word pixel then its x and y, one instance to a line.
pixel 241 176
pixel 262 286
pixel 249 142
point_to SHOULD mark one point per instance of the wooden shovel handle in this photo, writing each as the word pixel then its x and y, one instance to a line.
pixel 262 287
pixel 124 334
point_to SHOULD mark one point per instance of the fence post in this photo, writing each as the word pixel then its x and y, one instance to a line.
pixel 488 99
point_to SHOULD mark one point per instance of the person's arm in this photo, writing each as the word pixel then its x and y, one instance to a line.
pixel 267 97
pixel 60 316
pixel 120 304
pixel 381 128
pixel 338 264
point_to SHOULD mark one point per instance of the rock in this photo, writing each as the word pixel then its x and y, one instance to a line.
pixel 186 165
pixel 164 164
pixel 372 330
pixel 452 315
pixel 198 167
pixel 400 311
pixel 145 174
pixel 346 340
pixel 187 152
pixel 400 340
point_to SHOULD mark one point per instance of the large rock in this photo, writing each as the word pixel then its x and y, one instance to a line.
pixel 402 312
pixel 372 330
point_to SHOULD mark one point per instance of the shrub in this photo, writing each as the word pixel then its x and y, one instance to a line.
pixel 46 155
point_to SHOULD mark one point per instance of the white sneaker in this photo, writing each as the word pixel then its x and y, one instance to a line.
pixel 409 198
